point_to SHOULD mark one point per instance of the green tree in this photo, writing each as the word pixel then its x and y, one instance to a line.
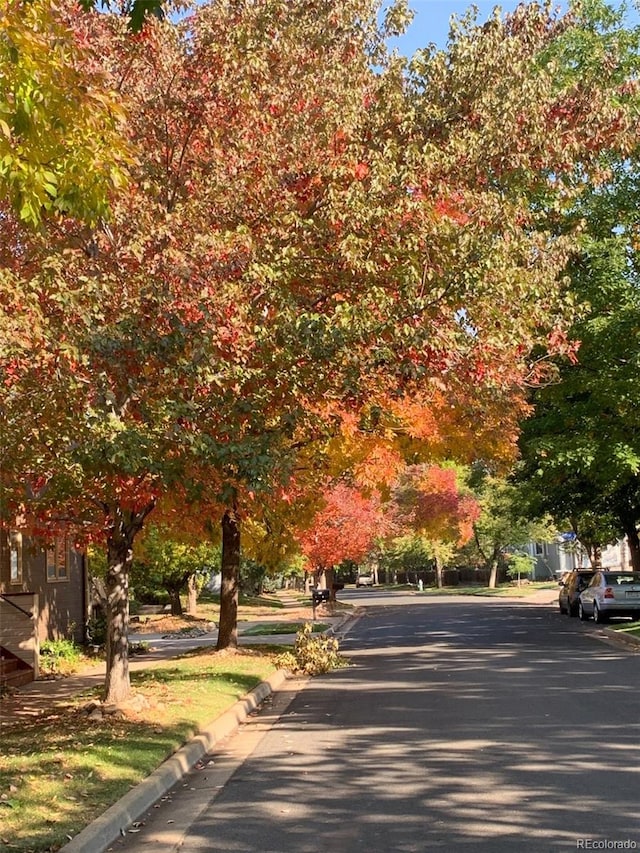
pixel 519 566
pixel 62 145
pixel 408 554
pixel 581 451
pixel 504 522
pixel 162 562
pixel 581 448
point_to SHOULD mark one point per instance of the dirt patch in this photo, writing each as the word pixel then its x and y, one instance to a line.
pixel 167 624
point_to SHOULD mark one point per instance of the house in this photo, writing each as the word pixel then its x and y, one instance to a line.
pixel 43 596
pixel 553 559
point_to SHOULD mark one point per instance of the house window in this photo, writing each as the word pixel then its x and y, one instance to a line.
pixel 15 557
pixel 541 549
pixel 57 560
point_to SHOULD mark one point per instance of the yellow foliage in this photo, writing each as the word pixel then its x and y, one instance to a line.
pixel 60 143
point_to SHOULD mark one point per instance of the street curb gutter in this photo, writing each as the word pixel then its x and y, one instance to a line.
pixel 622 638
pixel 113 823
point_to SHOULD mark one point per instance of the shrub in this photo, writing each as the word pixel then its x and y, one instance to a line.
pixel 59 657
pixel 97 630
pixel 519 566
pixel 312 655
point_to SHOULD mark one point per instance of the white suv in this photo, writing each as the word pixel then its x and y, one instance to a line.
pixel 364 580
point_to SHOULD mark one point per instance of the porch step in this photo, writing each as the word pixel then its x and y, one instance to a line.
pixel 17 678
pixel 14 671
pixel 7 665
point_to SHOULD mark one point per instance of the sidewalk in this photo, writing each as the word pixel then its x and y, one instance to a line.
pixel 542 596
pixel 41 696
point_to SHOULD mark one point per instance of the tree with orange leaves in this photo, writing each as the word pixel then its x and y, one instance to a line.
pixel 432 501
pixel 317 244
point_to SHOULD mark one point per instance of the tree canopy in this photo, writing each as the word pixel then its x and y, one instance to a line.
pixel 315 245
pixel 345 528
pixel 582 448
pixel 61 143
pixel 581 451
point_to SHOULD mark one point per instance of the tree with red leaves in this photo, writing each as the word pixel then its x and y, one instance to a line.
pixel 345 528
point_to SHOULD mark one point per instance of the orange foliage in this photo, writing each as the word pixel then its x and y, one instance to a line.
pixel 428 498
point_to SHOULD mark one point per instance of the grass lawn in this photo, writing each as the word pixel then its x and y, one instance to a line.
pixel 60 772
pixel 631 629
pixel 509 590
pixel 283 628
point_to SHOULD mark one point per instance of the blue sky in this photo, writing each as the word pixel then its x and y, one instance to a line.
pixel 431 20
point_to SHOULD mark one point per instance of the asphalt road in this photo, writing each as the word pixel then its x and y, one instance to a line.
pixel 462 724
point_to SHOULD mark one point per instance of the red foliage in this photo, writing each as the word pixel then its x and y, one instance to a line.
pixel 344 529
pixel 450 207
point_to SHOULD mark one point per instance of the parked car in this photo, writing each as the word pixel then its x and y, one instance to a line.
pixel 611 594
pixel 571 586
pixel 365 579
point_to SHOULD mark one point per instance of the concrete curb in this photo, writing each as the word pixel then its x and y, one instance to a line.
pixel 621 637
pixel 335 629
pixel 112 824
pixel 343 627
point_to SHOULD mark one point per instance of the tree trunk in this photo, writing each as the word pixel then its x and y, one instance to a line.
pixel 492 562
pixel 228 630
pixel 124 527
pixel 117 682
pixel 634 550
pixel 595 556
pixel 176 603
pixel 633 541
pixel 329 579
pixel 192 595
pixel 439 574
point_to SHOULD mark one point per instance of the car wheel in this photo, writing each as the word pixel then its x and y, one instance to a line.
pixel 598 615
pixel 581 612
pixel 636 615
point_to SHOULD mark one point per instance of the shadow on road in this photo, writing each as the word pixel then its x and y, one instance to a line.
pixel 495 728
